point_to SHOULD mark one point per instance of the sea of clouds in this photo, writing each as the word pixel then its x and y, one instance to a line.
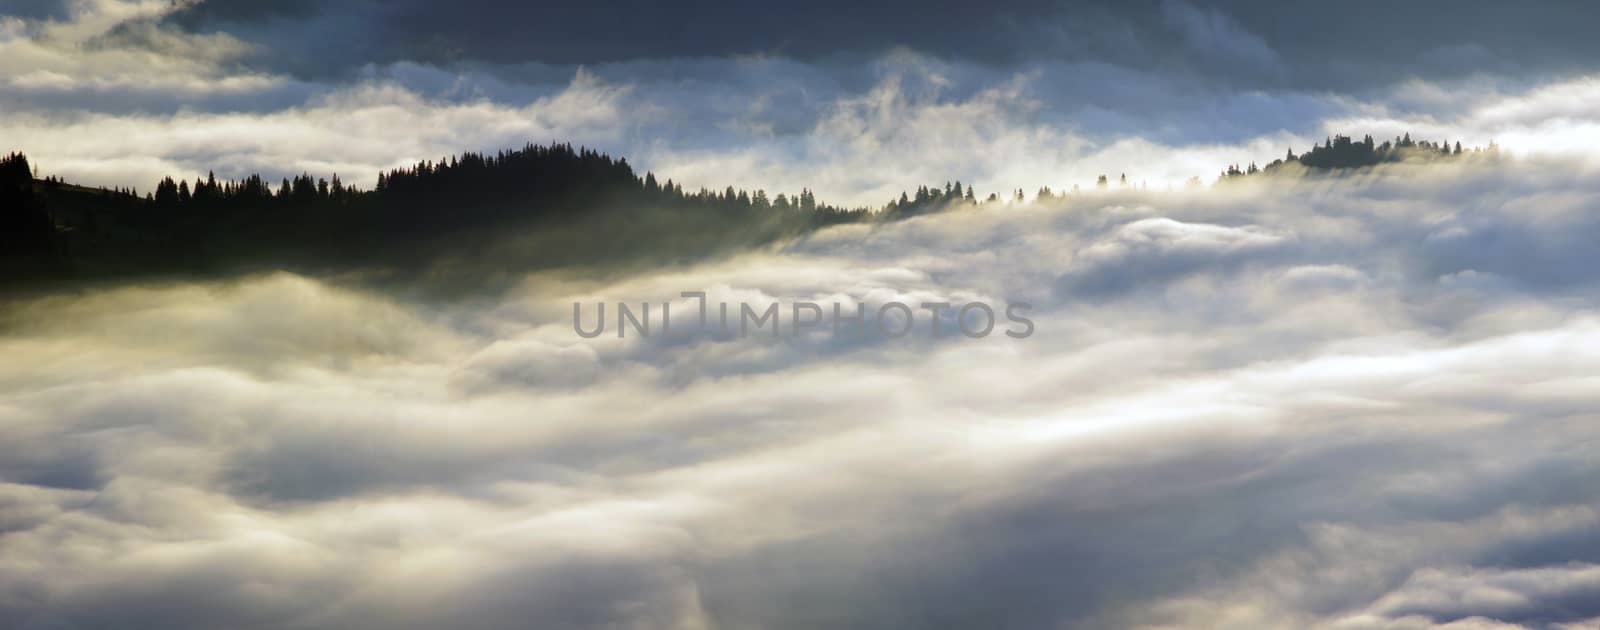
pixel 1364 401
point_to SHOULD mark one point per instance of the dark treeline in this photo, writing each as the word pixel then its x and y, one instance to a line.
pixel 1344 152
pixel 538 207
pixel 27 233
pixel 530 208
pixel 930 199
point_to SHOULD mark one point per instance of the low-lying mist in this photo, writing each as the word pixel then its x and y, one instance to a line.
pixel 1353 401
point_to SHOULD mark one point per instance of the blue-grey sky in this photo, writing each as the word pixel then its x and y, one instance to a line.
pixel 855 100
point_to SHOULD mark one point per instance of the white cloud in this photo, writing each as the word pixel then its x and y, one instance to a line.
pixel 1339 402
pixel 1294 423
pixel 359 130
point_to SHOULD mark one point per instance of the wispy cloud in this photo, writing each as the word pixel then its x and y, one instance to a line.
pixel 1302 406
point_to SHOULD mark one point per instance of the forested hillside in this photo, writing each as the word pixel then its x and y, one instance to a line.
pixel 537 207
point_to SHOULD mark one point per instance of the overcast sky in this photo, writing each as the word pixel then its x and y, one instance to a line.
pixel 855 100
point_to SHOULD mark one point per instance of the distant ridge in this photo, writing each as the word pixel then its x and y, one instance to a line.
pixel 537 207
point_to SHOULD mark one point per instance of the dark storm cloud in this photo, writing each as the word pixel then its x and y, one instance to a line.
pixel 36 9
pixel 135 99
pixel 1245 42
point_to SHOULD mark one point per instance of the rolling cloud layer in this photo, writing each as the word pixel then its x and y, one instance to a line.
pixel 1357 402
pixel 1361 401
